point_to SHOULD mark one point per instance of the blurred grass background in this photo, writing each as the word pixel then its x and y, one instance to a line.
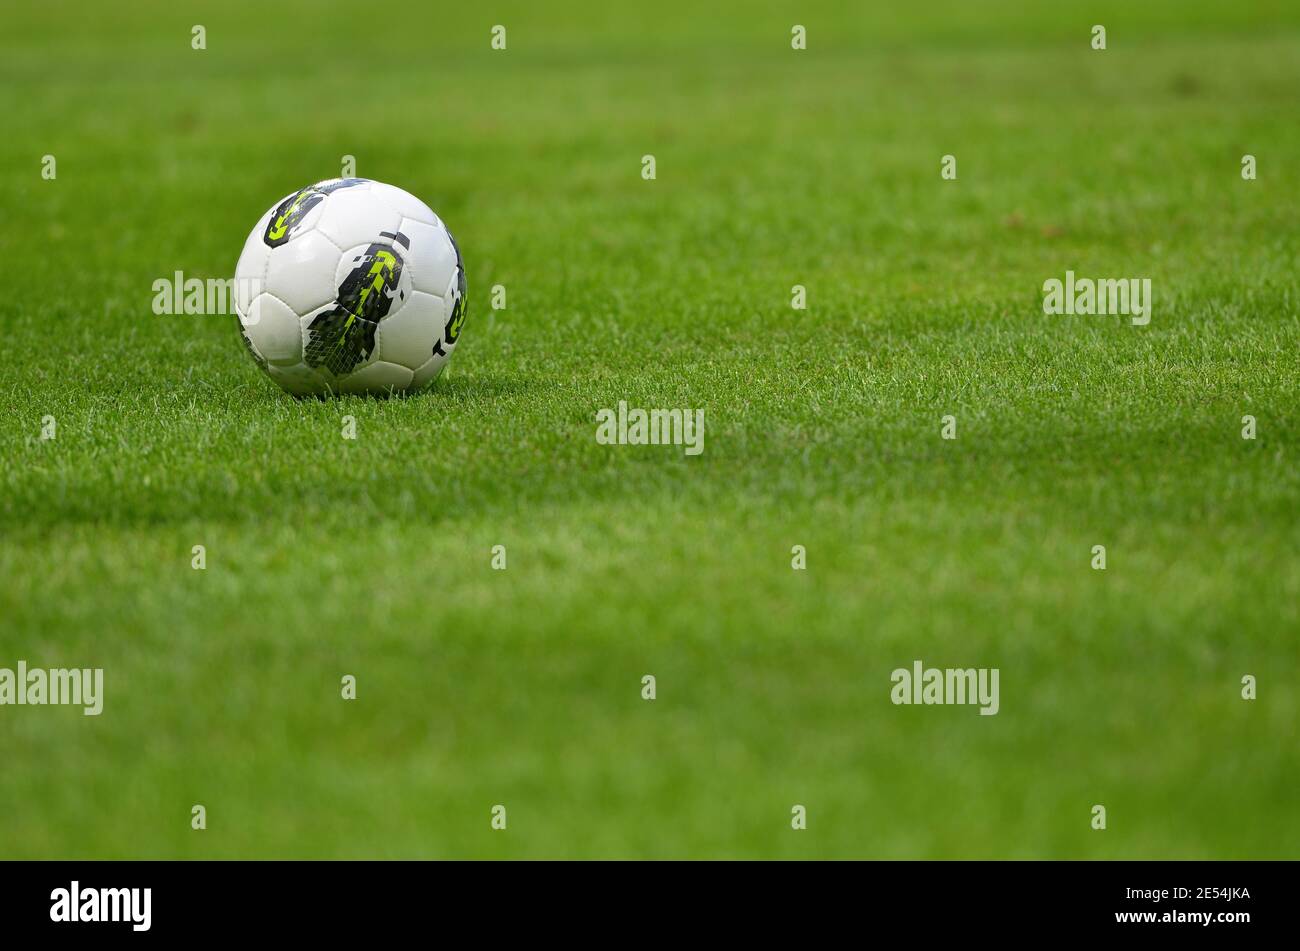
pixel 522 687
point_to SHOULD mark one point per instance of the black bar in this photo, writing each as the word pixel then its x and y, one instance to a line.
pixel 332 900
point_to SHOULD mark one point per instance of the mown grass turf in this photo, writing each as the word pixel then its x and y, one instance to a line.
pixel 522 687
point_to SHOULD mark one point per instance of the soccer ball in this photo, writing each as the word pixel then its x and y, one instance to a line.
pixel 350 286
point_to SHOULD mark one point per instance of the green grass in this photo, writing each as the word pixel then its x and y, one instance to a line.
pixel 371 557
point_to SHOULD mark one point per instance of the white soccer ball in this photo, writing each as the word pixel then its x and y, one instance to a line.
pixel 350 286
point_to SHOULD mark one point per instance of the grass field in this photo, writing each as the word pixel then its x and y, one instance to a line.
pixel 522 687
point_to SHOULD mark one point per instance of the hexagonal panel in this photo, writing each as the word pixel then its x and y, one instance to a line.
pixel 259 229
pixel 407 337
pixel 454 296
pixel 376 377
pixel 371 286
pixel 273 330
pixel 299 380
pixel 429 371
pixel 404 203
pixel 431 258
pixel 353 217
pixel 250 271
pixel 301 273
